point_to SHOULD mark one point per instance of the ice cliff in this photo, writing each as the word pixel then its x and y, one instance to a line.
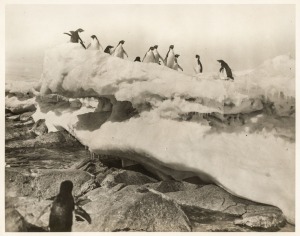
pixel 239 135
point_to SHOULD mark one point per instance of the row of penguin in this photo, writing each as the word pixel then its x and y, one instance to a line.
pixel 151 56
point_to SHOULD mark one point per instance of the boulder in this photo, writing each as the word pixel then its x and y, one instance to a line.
pixel 47 182
pixel 134 209
pixel 14 221
pixel 127 177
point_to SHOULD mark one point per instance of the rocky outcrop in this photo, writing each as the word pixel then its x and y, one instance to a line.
pixel 212 198
pixel 134 209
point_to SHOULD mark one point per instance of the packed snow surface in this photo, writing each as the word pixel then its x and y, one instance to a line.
pixel 258 165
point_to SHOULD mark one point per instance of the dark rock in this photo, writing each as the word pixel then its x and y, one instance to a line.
pixel 260 216
pixel 214 199
pixel 47 182
pixel 14 221
pixel 39 128
pixel 18 182
pixel 52 139
pixel 26 116
pixel 14 117
pixel 127 177
pixel 22 108
pixel 131 210
pixel 167 186
pixel 209 197
pixel 35 211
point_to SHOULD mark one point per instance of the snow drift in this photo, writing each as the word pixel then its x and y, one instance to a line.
pixel 240 135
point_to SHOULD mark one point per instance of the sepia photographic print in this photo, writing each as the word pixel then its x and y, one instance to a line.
pixel 149 117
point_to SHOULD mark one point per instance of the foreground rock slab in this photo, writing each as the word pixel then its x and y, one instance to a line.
pixel 134 208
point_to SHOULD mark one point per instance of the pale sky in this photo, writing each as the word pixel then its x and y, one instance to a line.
pixel 242 35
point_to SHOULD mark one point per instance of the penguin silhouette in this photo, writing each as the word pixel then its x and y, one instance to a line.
pixel 138 59
pixel 94 44
pixel 119 50
pixel 61 215
pixel 149 56
pixel 157 56
pixel 198 67
pixel 176 65
pixel 170 57
pixel 108 49
pixel 75 38
pixel 225 66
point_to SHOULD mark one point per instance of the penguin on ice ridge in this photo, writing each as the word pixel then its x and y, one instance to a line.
pixel 176 65
pixel 108 49
pixel 75 38
pixel 119 50
pixel 149 56
pixel 170 57
pixel 225 66
pixel 157 56
pixel 94 44
pixel 198 67
pixel 138 59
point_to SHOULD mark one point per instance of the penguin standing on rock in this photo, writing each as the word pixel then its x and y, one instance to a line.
pixel 94 44
pixel 75 38
pixel 157 56
pixel 170 57
pixel 176 65
pixel 108 49
pixel 149 56
pixel 225 66
pixel 198 67
pixel 61 215
pixel 119 50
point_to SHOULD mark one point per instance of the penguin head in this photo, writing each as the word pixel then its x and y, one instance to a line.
pixel 137 59
pixel 94 37
pixel 151 48
pixel 171 46
pixel 109 47
pixel 221 61
pixel 155 46
pixel 177 55
pixel 79 30
pixel 122 42
pixel 66 187
pixel 197 56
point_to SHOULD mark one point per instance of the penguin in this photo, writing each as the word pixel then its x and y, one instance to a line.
pixel 149 56
pixel 119 50
pixel 170 57
pixel 61 214
pixel 176 65
pixel 157 56
pixel 94 44
pixel 198 67
pixel 138 59
pixel 108 49
pixel 75 38
pixel 225 66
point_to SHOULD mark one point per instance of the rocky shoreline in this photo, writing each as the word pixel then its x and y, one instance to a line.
pixel 113 197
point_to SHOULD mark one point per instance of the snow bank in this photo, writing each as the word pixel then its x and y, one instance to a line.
pixel 257 164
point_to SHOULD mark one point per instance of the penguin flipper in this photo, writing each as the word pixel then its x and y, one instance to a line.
pixel 88 46
pixel 144 57
pixel 82 45
pixel 68 34
pixel 221 69
pixel 81 213
pixel 125 53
